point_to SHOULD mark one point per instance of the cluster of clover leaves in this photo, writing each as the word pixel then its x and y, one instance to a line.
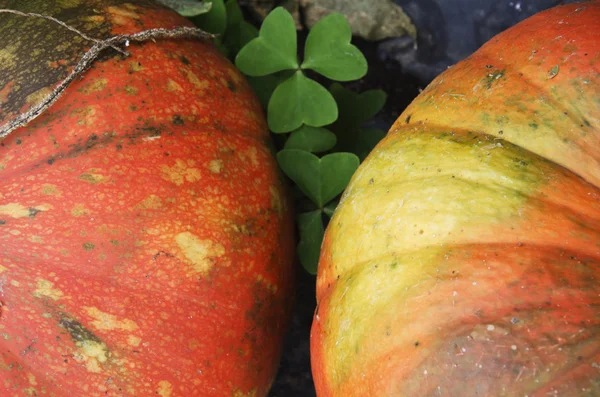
pixel 319 132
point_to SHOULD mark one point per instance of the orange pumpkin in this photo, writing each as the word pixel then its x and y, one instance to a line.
pixel 464 258
pixel 146 240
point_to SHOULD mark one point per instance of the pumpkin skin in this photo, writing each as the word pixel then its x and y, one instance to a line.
pixel 464 258
pixel 146 242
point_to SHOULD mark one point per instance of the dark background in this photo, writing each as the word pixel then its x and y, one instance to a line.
pixel 448 31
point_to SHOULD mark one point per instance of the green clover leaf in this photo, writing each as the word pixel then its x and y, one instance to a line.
pixel 214 21
pixel 321 179
pixel 328 50
pixel 274 49
pixel 310 226
pixel 187 8
pixel 355 108
pixel 300 100
pixel 311 139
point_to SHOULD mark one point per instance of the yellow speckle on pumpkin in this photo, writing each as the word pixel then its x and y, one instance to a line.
pixel 95 349
pixel 135 66
pixel 31 391
pixel 268 284
pixel 38 96
pixel 15 283
pixel 92 353
pixel 239 393
pixel 121 15
pixel 151 202
pixel 201 253
pixel 276 202
pixel 45 289
pixel 31 379
pixel 216 166
pixel 35 239
pixel 16 210
pixel 3 269
pixel 181 172
pixel 94 19
pixel 251 154
pixel 95 86
pixel 172 85
pixel 131 90
pixel 192 78
pixel 164 389
pixel 85 116
pixel 110 322
pixel 50 190
pixel 79 210
pixel 235 76
pixel 93 178
pixel 133 340
pixel 9 55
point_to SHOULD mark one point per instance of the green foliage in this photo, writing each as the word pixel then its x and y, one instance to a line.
pixel 311 139
pixel 320 133
pixel 328 50
pixel 274 49
pixel 238 32
pixel 321 179
pixel 187 8
pixel 300 100
pixel 355 109
pixel 310 226
pixel 214 21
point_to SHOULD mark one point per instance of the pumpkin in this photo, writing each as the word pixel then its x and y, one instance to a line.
pixel 464 258
pixel 146 241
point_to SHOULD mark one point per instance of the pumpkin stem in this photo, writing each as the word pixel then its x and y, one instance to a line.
pixel 58 21
pixel 90 56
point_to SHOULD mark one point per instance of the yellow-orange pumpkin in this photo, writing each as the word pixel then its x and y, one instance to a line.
pixel 464 258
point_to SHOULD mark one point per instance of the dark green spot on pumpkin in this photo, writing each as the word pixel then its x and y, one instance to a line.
pixel 33 212
pixel 2 222
pixel 231 85
pixel 177 120
pixel 78 332
pixel 88 246
pixel 184 60
pixel 492 77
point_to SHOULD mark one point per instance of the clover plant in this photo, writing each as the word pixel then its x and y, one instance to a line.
pixel 319 131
